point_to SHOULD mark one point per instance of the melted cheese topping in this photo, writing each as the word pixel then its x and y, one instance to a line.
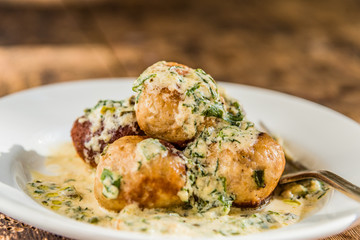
pixel 70 192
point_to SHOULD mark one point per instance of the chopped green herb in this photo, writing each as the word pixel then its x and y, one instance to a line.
pixel 93 220
pixel 259 178
pixel 249 125
pixel 217 165
pixel 321 195
pixel 151 148
pixel 139 82
pixel 215 110
pixel 292 202
pixel 197 155
pixel 223 181
pixel 192 90
pixel 272 212
pixel 69 180
pixel 111 183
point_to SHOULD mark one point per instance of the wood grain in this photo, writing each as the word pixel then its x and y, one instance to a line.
pixel 310 49
pixel 13 229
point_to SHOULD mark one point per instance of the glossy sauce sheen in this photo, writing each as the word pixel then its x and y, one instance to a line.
pixel 70 192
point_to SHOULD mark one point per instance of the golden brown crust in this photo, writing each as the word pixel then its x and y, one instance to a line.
pixel 153 184
pixel 79 134
pixel 162 126
pixel 173 101
pixel 238 167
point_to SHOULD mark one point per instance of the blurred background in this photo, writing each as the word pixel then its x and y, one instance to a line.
pixel 305 48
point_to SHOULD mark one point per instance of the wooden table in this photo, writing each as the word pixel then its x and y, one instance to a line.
pixel 310 49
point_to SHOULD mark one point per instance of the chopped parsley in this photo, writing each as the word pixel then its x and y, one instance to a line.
pixel 215 110
pixel 111 183
pixel 259 178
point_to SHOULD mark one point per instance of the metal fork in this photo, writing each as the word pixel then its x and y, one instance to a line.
pixel 300 172
pixel 327 177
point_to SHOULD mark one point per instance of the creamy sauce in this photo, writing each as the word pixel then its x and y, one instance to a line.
pixel 149 148
pixel 205 187
pixel 105 118
pixel 70 192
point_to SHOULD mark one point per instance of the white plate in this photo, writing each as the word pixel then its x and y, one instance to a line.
pixel 33 121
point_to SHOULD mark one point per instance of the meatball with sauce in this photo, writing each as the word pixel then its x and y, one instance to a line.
pixel 240 164
pixel 103 124
pixel 173 101
pixel 142 170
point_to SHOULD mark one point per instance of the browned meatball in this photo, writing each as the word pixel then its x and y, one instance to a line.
pixel 106 122
pixel 152 120
pixel 142 170
pixel 252 173
pixel 173 101
pixel 243 164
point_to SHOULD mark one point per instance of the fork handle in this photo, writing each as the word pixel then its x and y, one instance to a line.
pixel 328 177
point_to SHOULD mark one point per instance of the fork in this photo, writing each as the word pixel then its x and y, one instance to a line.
pixel 325 176
pixel 301 172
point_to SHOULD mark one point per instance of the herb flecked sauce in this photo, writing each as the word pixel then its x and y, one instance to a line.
pixel 70 192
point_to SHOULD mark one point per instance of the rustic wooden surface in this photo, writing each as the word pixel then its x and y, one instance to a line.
pixel 309 49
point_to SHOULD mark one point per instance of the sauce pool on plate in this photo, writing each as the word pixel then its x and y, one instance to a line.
pixel 69 191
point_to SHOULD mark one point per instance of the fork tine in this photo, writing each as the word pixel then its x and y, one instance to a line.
pixel 327 177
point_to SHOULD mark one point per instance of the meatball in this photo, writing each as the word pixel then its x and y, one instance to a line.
pixel 244 164
pixel 142 170
pixel 173 101
pixel 103 124
pixel 252 173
